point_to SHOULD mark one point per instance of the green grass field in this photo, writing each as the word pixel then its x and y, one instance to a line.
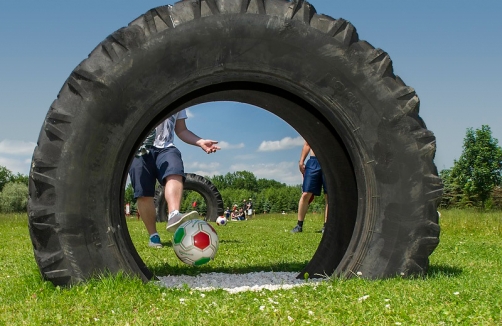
pixel 463 286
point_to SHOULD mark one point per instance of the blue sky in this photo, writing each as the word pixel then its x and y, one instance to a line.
pixel 449 51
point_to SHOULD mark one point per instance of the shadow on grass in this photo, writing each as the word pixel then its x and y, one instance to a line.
pixel 435 271
pixel 164 270
pixel 438 271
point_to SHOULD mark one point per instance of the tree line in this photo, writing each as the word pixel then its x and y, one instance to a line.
pixel 268 196
pixel 13 191
pixel 475 180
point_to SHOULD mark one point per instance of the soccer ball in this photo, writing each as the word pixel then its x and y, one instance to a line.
pixel 195 242
pixel 221 220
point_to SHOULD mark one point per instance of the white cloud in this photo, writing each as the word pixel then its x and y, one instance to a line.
pixel 279 145
pixel 16 165
pixel 227 145
pixel 244 157
pixel 204 166
pixel 286 172
pixel 205 173
pixel 16 147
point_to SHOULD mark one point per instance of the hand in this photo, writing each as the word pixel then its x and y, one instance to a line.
pixel 208 146
pixel 301 166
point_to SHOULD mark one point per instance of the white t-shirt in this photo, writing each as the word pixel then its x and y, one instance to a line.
pixel 164 133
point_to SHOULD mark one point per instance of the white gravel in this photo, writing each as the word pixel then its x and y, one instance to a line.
pixel 234 283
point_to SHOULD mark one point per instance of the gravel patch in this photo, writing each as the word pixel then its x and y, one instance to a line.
pixel 234 283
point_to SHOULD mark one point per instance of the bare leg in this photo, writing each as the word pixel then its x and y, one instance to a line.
pixel 173 191
pixel 303 205
pixel 146 209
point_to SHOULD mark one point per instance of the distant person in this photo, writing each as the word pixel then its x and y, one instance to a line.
pixel 249 208
pixel 159 160
pixel 242 215
pixel 244 205
pixel 313 183
pixel 235 215
pixel 227 213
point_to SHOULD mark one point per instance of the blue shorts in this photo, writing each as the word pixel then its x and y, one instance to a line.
pixel 154 166
pixel 313 179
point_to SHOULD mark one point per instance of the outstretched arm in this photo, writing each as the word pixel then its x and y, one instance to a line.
pixel 207 145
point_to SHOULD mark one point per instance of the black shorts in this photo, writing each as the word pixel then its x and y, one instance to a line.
pixel 313 179
pixel 154 166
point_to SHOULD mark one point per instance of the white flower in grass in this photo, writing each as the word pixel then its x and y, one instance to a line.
pixel 291 319
pixel 359 273
pixel 311 312
pixel 295 300
pixel 364 297
pixel 386 300
pixel 202 295
pixel 272 301
pixel 182 300
pixel 387 306
pixel 456 293
pixel 262 308
pixel 397 323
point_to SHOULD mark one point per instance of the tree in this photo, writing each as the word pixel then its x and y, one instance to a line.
pixel 452 192
pixel 267 183
pixel 14 197
pixel 129 195
pixel 5 176
pixel 20 178
pixel 478 169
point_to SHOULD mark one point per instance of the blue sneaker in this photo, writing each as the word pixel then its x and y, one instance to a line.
pixel 155 241
pixel 297 229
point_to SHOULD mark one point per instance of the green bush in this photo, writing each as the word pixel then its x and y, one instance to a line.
pixel 14 197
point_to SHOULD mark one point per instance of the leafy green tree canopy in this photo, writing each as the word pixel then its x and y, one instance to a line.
pixel 14 197
pixel 5 176
pixel 478 169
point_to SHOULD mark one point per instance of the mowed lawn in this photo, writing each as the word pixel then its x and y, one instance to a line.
pixel 463 286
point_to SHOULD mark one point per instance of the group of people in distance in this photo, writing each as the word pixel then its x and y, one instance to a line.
pixel 240 213
pixel 159 160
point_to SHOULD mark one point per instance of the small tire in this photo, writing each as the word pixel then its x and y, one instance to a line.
pixel 199 184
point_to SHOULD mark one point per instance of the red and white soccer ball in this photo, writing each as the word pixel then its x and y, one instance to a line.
pixel 221 220
pixel 195 242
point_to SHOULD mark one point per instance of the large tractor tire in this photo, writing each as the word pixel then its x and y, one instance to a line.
pixel 312 71
pixel 202 186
